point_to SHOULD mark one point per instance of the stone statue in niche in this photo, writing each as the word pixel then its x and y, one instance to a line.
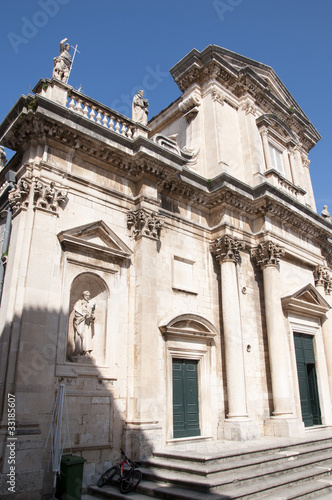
pixel 62 63
pixel 140 108
pixel 83 325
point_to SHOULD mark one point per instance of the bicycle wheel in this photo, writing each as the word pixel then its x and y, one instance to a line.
pixel 112 474
pixel 130 481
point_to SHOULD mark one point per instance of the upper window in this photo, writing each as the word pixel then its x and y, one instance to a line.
pixel 277 160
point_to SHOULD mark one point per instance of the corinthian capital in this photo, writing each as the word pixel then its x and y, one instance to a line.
pixel 144 223
pixel 322 277
pixel 227 248
pixel 267 254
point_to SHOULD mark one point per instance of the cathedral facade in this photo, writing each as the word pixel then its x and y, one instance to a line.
pixel 174 275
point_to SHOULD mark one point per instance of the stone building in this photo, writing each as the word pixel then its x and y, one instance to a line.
pixel 175 276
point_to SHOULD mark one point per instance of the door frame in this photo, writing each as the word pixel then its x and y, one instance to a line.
pixel 311 326
pixel 305 379
pixel 190 336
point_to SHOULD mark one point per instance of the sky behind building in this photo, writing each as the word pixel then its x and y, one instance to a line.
pixel 127 46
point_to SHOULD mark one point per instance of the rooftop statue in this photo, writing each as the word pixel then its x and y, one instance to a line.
pixel 140 108
pixel 62 63
pixel 325 213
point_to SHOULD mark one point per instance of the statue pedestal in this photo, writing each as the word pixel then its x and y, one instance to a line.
pixel 53 89
pixel 83 359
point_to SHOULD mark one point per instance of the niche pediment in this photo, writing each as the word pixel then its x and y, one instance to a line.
pixel 307 301
pixel 96 240
pixel 188 325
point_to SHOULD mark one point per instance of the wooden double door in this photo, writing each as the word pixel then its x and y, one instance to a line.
pixel 185 398
pixel 306 369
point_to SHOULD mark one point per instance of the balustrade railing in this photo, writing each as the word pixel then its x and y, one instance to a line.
pixel 98 113
pixel 83 105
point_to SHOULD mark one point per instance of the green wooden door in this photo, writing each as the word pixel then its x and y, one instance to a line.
pixel 185 398
pixel 305 360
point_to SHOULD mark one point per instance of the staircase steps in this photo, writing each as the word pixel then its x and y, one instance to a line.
pixel 299 470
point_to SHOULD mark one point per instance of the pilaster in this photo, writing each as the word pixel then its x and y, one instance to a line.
pixel 142 429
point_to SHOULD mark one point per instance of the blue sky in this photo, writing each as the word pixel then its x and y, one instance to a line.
pixel 126 45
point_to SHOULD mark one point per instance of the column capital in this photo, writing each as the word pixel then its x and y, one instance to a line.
pixel 227 248
pixel 267 254
pixel 322 277
pixel 144 223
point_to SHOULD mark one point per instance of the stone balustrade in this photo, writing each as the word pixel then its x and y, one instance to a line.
pixel 94 111
pixel 283 184
pixel 98 113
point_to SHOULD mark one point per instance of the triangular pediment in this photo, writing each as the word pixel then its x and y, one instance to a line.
pixel 307 301
pixel 243 77
pixel 96 239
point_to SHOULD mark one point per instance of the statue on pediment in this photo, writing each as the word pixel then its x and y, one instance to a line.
pixel 140 108
pixel 62 63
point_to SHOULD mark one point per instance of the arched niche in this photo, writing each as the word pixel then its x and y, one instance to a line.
pixel 99 294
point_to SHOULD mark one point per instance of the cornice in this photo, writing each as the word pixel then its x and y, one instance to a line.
pixel 143 157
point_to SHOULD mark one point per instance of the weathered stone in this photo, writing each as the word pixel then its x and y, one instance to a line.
pixel 199 243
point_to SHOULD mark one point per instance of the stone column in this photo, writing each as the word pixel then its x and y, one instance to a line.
pixel 237 425
pixel 143 430
pixel 267 257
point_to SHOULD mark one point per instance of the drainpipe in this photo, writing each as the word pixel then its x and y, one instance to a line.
pixel 10 178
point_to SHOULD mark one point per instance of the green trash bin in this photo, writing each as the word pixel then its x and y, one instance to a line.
pixel 71 476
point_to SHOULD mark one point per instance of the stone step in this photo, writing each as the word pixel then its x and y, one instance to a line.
pixel 189 477
pixel 206 468
pixel 320 489
pixel 110 491
pixel 274 485
pixel 297 470
pixel 241 454
pixel 148 489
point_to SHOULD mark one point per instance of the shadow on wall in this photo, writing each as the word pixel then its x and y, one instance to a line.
pixel 32 368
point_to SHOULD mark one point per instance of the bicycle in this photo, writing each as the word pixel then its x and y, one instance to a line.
pixel 128 479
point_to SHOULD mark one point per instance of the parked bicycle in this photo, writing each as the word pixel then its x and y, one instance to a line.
pixel 127 478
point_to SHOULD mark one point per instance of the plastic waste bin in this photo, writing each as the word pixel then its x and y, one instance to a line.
pixel 71 476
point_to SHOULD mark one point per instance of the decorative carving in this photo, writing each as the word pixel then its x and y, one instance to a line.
pixel 322 277
pixel 218 96
pixel 144 223
pixel 18 198
pixel 267 254
pixel 48 197
pixel 249 108
pixel 62 63
pixel 140 108
pixel 227 248
pixel 189 105
pixel 171 145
